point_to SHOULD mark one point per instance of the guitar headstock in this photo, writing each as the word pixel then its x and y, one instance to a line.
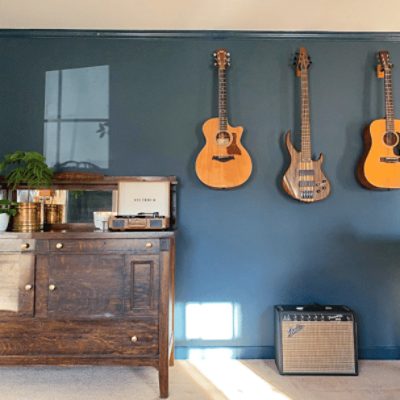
pixel 222 59
pixel 384 63
pixel 302 61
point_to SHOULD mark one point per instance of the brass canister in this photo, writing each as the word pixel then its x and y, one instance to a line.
pixel 27 218
pixel 53 214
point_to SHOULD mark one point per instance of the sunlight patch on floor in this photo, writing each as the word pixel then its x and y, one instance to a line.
pixel 235 381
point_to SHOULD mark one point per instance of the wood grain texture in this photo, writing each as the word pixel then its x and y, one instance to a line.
pixel 165 284
pixel 233 172
pixel 17 281
pixel 131 245
pixel 372 171
pixel 111 303
pixel 314 182
pixel 79 338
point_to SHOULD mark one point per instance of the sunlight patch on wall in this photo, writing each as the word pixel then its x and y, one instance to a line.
pixel 212 321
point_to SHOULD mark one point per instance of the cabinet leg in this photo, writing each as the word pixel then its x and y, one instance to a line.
pixel 163 380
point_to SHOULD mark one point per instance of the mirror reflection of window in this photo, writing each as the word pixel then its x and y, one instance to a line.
pixel 76 130
pixel 82 204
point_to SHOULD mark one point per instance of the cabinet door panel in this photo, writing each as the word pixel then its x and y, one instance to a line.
pixel 86 286
pixel 16 285
pixel 142 285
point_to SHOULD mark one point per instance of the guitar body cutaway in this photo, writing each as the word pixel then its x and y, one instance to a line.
pixel 379 168
pixel 305 180
pixel 223 163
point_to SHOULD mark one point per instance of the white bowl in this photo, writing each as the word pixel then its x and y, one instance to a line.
pixel 100 219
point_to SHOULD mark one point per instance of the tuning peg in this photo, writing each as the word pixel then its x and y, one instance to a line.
pixel 215 64
pixel 215 54
pixel 228 54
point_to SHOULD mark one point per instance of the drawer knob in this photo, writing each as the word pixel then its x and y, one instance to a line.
pixel 59 246
pixel 25 246
pixel 52 288
pixel 149 245
pixel 28 287
pixel 134 339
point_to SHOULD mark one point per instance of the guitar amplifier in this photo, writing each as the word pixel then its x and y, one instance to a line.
pixel 315 340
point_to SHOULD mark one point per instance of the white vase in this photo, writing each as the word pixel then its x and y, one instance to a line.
pixel 4 219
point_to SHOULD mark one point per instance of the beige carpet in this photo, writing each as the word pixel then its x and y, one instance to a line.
pixel 198 380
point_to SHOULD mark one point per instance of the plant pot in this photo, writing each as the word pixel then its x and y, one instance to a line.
pixel 53 214
pixel 27 218
pixel 4 220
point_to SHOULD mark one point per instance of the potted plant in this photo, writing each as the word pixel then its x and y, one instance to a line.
pixel 26 170
pixel 7 210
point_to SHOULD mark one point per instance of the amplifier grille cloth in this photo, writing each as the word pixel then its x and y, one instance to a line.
pixel 318 347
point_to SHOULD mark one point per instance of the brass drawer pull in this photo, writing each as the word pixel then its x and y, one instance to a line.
pixel 134 339
pixel 149 245
pixel 25 246
pixel 28 287
pixel 52 288
pixel 59 246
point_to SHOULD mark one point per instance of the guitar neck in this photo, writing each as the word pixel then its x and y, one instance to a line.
pixel 222 99
pixel 305 118
pixel 389 107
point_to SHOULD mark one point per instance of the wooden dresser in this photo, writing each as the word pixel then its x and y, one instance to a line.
pixel 88 298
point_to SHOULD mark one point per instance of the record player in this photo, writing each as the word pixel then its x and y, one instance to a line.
pixel 138 222
pixel 144 205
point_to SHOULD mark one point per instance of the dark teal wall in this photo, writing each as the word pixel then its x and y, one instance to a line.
pixel 252 246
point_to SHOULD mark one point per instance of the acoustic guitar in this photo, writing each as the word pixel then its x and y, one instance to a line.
pixel 379 167
pixel 304 180
pixel 223 163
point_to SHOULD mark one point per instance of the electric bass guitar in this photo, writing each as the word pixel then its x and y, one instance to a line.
pixel 223 163
pixel 379 168
pixel 304 180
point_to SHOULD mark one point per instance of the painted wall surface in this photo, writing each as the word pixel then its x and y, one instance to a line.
pixel 319 15
pixel 242 251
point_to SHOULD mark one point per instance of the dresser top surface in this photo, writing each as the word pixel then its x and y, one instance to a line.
pixel 74 234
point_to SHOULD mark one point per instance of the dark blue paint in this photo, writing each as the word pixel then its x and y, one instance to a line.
pixel 253 246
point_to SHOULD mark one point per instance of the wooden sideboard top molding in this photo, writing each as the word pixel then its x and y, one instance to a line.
pixel 85 180
pixel 88 235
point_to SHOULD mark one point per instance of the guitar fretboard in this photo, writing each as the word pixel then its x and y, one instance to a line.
pixel 389 100
pixel 222 99
pixel 305 118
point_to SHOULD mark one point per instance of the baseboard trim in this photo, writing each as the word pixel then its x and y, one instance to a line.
pixel 268 352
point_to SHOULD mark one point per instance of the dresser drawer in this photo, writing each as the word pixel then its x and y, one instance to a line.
pixel 138 338
pixel 147 246
pixel 17 245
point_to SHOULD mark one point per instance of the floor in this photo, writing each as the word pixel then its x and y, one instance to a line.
pixel 198 380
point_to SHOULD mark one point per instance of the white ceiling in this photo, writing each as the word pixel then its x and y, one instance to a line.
pixel 264 15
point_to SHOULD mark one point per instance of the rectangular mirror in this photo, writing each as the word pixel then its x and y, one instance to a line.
pixel 71 206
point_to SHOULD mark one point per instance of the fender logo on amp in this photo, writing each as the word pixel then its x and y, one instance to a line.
pixel 296 329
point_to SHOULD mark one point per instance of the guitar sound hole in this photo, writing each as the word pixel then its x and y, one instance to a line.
pixel 223 138
pixel 391 138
